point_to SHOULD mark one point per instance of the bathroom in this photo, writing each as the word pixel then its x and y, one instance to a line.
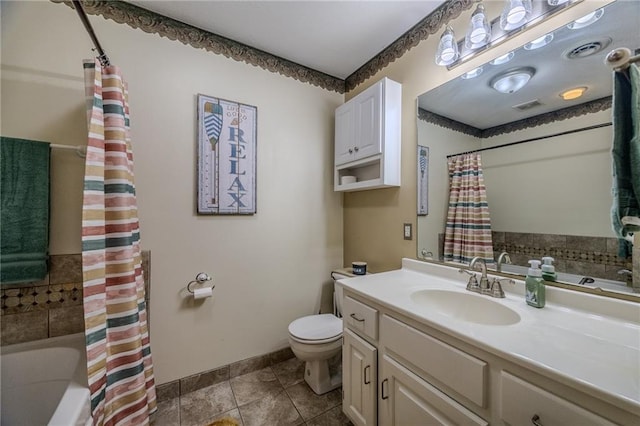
pixel 268 268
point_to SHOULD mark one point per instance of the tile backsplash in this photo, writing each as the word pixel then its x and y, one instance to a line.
pixel 51 307
pixel 588 256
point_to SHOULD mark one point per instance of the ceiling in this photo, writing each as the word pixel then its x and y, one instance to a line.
pixel 334 37
pixel 475 103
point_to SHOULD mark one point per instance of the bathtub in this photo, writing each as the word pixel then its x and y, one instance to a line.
pixel 45 383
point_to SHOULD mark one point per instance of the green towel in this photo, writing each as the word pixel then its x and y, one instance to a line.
pixel 24 210
pixel 626 155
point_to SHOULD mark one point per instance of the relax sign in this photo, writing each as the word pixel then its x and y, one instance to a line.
pixel 226 157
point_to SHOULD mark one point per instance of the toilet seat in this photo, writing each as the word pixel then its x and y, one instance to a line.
pixel 316 329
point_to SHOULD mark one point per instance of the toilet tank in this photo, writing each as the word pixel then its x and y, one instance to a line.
pixel 337 293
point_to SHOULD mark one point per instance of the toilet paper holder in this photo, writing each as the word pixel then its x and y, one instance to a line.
pixel 201 278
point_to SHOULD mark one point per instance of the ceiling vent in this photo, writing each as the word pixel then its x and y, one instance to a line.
pixel 587 49
pixel 527 105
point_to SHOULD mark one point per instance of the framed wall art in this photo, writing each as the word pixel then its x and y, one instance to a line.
pixel 227 138
pixel 423 180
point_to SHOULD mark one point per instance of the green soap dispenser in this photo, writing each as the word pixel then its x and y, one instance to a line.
pixel 534 285
pixel 548 270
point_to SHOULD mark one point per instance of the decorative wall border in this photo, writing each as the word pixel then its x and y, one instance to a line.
pixel 154 23
pixel 421 31
pixel 151 22
pixel 590 107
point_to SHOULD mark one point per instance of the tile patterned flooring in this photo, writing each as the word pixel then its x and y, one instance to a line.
pixel 273 396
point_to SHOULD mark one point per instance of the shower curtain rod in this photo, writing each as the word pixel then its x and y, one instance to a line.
pixel 568 132
pixel 102 56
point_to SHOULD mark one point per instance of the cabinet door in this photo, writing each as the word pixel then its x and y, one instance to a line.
pixel 345 137
pixel 406 399
pixel 359 379
pixel 368 113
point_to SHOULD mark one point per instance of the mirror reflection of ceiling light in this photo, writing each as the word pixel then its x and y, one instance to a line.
pixel 503 59
pixel 512 80
pixel 472 74
pixel 556 2
pixel 575 93
pixel 515 14
pixel 539 42
pixel 479 31
pixel 586 20
pixel 447 48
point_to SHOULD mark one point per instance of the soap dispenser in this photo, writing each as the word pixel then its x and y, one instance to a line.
pixel 548 270
pixel 534 285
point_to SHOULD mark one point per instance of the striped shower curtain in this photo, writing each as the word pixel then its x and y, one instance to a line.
pixel 119 364
pixel 468 229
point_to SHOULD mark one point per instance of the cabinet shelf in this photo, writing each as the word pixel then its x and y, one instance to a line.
pixel 367 138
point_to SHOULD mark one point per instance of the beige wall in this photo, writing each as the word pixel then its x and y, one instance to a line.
pixel 269 268
pixel 373 219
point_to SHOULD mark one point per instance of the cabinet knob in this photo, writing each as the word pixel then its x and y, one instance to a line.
pixel 356 149
pixel 535 420
pixel 350 151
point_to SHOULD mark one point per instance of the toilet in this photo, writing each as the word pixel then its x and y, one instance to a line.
pixel 317 340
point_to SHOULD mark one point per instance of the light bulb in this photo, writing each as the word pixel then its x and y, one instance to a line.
pixel 515 14
pixel 503 59
pixel 447 48
pixel 573 93
pixel 586 20
pixel 479 31
pixel 472 74
pixel 539 42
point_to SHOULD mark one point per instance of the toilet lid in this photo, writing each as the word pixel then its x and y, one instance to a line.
pixel 316 327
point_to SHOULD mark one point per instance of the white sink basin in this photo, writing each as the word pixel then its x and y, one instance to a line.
pixel 469 307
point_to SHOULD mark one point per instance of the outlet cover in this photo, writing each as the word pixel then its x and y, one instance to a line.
pixel 408 234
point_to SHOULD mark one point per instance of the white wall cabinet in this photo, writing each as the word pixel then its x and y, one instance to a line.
pixel 367 138
pixel 427 377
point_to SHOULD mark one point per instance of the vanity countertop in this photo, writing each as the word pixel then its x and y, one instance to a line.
pixel 590 343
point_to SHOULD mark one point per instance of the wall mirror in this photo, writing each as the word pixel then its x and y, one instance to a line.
pixel 551 194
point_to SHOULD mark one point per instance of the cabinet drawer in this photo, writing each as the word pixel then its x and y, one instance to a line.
pixel 361 318
pixel 458 370
pixel 520 401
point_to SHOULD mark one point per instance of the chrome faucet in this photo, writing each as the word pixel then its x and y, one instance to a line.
pixel 503 258
pixel 485 288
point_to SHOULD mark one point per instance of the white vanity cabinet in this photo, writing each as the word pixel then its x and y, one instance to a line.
pixel 367 138
pixel 427 377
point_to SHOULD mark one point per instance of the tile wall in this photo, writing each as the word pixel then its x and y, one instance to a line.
pixel 51 307
pixel 587 256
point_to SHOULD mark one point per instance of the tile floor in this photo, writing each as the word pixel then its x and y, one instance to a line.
pixel 273 396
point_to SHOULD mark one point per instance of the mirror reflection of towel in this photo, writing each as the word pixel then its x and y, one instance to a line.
pixel 24 210
pixel 626 157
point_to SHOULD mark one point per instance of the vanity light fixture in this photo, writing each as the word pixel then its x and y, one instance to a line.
pixel 472 74
pixel 575 93
pixel 586 20
pixel 512 80
pixel 539 42
pixel 479 31
pixel 503 59
pixel 515 14
pixel 447 48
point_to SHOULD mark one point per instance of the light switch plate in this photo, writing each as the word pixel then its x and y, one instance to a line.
pixel 408 235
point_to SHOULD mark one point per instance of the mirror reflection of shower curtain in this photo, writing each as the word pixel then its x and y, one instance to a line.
pixel 625 212
pixel 468 227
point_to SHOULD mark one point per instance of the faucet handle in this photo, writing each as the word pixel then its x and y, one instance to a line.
pixel 496 287
pixel 472 285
